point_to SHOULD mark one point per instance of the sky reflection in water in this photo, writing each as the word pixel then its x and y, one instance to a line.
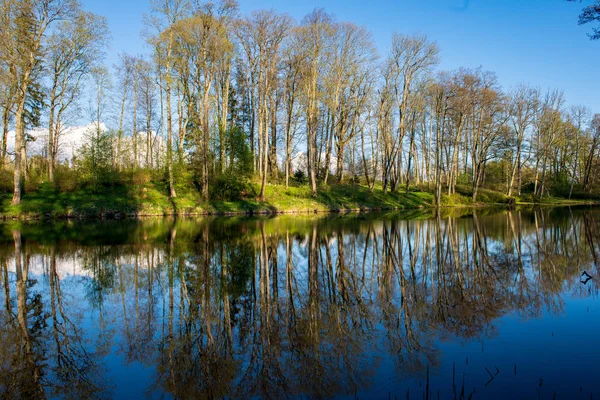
pixel 486 305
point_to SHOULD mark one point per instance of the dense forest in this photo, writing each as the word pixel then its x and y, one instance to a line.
pixel 227 104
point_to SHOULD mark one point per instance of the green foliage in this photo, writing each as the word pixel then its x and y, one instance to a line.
pixel 528 187
pixel 483 196
pixel 34 105
pixel 560 184
pixel 492 197
pixel 196 156
pixel 229 187
pixel 239 152
pixel 94 163
pixel 141 176
pixel 455 199
pixel 579 194
pixel 144 192
pixel 300 176
pixel 6 180
pixel 183 177
pixel 527 198
pixel 496 175
pixel 37 168
pixel 34 180
pixel 464 179
pixel 65 179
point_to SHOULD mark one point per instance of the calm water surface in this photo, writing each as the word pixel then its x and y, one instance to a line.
pixel 486 305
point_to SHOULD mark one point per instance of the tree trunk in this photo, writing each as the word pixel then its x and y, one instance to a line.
pixel 51 130
pixel 262 144
pixel 121 118
pixel 273 145
pixel 588 165
pixel 172 193
pixel 135 131
pixel 328 147
pixel 515 169
pixel 205 140
pixel 149 129
pixel 51 143
pixel 224 112
pixel 340 158
pixel 5 119
pixel 312 132
pixel 19 146
pixel 287 160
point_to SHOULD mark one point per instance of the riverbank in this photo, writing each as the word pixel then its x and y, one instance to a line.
pixel 152 200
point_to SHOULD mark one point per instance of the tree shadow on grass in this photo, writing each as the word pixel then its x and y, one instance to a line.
pixel 131 200
pixel 48 202
pixel 243 206
pixel 340 197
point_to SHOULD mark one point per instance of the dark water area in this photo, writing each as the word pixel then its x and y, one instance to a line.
pixel 479 306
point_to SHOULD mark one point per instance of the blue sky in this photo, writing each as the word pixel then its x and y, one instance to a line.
pixel 532 41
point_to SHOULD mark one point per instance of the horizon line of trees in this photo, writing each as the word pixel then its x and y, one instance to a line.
pixel 226 97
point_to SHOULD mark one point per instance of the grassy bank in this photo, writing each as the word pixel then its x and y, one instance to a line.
pixel 151 200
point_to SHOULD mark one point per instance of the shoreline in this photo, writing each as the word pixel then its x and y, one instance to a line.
pixel 150 200
pixel 121 215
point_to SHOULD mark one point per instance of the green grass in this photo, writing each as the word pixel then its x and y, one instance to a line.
pixel 329 198
pixel 552 201
pixel 464 197
pixel 152 199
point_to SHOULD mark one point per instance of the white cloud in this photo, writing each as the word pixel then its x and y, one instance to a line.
pixel 71 140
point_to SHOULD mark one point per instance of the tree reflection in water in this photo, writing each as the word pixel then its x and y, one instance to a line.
pixel 273 307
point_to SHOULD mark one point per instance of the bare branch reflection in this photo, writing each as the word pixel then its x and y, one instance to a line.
pixel 275 308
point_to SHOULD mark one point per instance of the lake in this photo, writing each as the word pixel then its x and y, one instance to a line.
pixel 480 304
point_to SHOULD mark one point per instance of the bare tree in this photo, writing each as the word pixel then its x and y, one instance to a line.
pixel 522 105
pixel 22 40
pixel 291 64
pixel 125 71
pixel 593 148
pixel 579 117
pixel 313 42
pixel 148 101
pixel 74 48
pixel 164 14
pixel 410 56
pixel 347 82
pixel 261 36
pixel 201 41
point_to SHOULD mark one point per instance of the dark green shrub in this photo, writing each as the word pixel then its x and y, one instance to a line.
pixel 238 152
pixel 528 187
pixel 464 179
pixel 65 178
pixel 37 173
pixel 579 194
pixel 560 184
pixel 300 176
pixel 6 180
pixel 229 187
pixel 94 164
pixel 33 182
pixel 183 176
pixel 141 176
pixel 526 198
